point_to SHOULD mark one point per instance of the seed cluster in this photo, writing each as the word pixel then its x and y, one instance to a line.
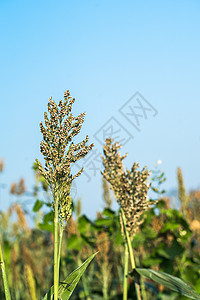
pixel 182 195
pixel 18 189
pixel 59 151
pixel 130 187
pixel 1 165
pixel 103 246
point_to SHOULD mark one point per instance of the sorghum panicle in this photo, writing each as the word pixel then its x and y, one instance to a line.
pixel 1 165
pixel 59 151
pixel 18 189
pixel 130 187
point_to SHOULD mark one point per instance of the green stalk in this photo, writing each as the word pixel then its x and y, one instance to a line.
pixel 5 281
pixel 125 281
pixel 56 269
pixel 60 245
pixel 105 281
pixel 130 249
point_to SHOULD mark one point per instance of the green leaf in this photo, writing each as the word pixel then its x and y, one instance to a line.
pixel 161 175
pixel 118 238
pixel 49 217
pixel 47 223
pixel 174 251
pixel 91 241
pixel 74 242
pixel 169 226
pixel 46 227
pixel 83 223
pixel 38 204
pixel 109 212
pixel 169 281
pixel 151 261
pixel 67 286
pixel 104 222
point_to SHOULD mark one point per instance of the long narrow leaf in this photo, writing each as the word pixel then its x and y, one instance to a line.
pixel 169 281
pixel 67 286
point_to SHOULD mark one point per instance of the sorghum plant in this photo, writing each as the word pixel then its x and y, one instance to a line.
pixel 130 188
pixel 59 151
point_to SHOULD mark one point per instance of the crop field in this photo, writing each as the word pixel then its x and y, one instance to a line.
pixel 145 249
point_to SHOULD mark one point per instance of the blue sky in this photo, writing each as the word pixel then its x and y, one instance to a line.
pixel 103 52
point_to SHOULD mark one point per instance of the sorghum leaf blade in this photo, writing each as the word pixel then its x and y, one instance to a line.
pixel 67 286
pixel 169 281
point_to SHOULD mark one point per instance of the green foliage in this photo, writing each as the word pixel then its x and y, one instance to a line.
pixel 3 270
pixel 47 222
pixel 38 204
pixel 169 281
pixel 67 287
pixel 167 242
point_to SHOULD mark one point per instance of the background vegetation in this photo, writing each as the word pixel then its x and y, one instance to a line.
pixel 168 241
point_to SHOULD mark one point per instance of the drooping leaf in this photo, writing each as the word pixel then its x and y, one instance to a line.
pixel 169 281
pixel 67 286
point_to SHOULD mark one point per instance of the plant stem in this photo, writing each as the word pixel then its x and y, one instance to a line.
pixel 130 249
pixel 105 280
pixel 56 269
pixel 60 245
pixel 125 281
pixel 5 281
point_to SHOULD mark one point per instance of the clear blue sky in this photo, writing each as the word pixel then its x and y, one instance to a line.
pixel 103 52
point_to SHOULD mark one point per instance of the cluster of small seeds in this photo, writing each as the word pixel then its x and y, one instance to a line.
pixel 130 187
pixel 59 151
pixel 18 189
